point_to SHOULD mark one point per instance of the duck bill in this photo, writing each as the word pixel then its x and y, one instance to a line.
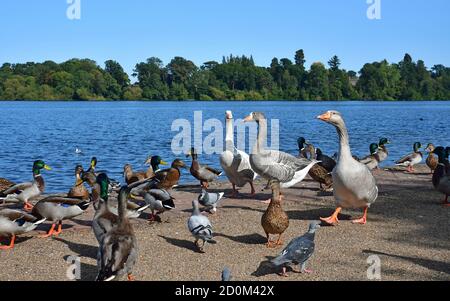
pixel 163 163
pixel 46 167
pixel 324 117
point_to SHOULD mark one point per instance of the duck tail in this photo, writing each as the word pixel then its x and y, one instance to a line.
pixel 84 205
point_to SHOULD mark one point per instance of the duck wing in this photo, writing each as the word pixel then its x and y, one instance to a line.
pixel 17 188
pixel 407 158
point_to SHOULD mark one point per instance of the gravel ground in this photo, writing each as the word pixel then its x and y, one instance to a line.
pixel 408 229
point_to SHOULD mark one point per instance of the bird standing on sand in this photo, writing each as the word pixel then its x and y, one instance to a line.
pixel 25 192
pixel 78 191
pixel 210 200
pixel 169 178
pixel 298 251
pixel 326 162
pixel 411 159
pixel 432 161
pixel 200 227
pixel 234 162
pixel 372 160
pixel 354 185
pixel 201 172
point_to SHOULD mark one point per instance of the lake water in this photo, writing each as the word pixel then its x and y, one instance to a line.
pixel 127 132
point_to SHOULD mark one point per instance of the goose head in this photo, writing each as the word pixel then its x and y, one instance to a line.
pixel 332 117
pixel 255 116
pixel 229 115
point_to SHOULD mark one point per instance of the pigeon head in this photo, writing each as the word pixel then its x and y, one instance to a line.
pixel 313 226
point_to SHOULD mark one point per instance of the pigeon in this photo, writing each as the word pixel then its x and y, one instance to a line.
pixel 159 200
pixel 210 200
pixel 226 274
pixel 200 227
pixel 298 251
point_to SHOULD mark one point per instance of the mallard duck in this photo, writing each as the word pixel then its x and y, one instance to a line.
pixel 354 186
pixel 234 162
pixel 441 175
pixel 57 209
pixel 14 222
pixel 132 177
pixel 411 159
pixel 78 191
pixel 383 152
pixel 118 250
pixel 5 184
pixel 25 192
pixel 372 160
pixel 203 173
pixel 159 201
pixel 432 161
pixel 200 227
pixel 319 173
pixel 169 178
pixel 275 221
pixel 302 150
pixel 275 165
pixel 326 162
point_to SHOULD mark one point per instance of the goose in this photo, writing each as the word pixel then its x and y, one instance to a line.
pixel 236 163
pixel 411 159
pixel 354 186
pixel 441 175
pixel 372 160
pixel 78 191
pixel 203 173
pixel 14 222
pixel 275 165
pixel 118 250
pixel 432 161
pixel 25 192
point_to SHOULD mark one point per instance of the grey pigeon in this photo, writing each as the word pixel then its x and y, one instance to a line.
pixel 226 274
pixel 298 251
pixel 159 200
pixel 210 200
pixel 200 227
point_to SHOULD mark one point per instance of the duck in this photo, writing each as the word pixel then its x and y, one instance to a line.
pixel 25 192
pixel 15 222
pixel 372 160
pixel 159 201
pixel 432 161
pixel 354 186
pixel 383 152
pixel 326 162
pixel 201 172
pixel 132 177
pixel 236 163
pixel 319 173
pixel 411 159
pixel 200 228
pixel 133 210
pixel 302 149
pixel 169 178
pixel 441 175
pixel 275 221
pixel 118 250
pixel 78 191
pixel 275 165
pixel 5 184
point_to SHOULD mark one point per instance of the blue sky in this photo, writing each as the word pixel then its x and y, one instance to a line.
pixel 201 30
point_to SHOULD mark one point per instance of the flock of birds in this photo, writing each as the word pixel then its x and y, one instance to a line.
pixel 350 179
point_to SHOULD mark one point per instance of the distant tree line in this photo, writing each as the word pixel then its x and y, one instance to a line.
pixel 234 78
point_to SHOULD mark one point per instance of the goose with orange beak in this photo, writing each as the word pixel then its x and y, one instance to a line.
pixel 353 184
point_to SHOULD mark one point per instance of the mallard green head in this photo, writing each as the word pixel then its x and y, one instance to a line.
pixel 155 161
pixel 441 152
pixel 417 146
pixel 373 148
pixel 38 166
pixel 93 163
pixel 301 143
pixel 384 141
pixel 103 181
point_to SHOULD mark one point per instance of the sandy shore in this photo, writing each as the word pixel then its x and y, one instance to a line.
pixel 408 229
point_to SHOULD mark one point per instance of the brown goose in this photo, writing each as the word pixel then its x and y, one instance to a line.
pixel 203 173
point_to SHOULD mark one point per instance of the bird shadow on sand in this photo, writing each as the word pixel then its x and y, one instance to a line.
pixel 243 208
pixel 82 222
pixel 249 239
pixel 181 243
pixel 438 266
pixel 80 249
pixel 265 268
pixel 314 214
pixel 88 272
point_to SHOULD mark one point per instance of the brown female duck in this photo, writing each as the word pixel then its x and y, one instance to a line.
pixel 275 221
pixel 132 177
pixel 203 173
pixel 5 184
pixel 78 191
pixel 168 178
pixel 432 160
